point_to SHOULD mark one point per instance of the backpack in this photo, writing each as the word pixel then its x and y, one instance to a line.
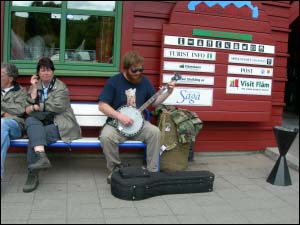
pixel 178 131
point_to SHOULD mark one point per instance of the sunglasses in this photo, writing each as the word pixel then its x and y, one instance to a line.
pixel 137 70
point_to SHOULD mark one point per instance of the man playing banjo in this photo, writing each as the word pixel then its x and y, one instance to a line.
pixel 130 92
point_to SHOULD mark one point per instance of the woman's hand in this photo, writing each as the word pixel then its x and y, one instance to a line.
pixel 31 108
pixel 34 80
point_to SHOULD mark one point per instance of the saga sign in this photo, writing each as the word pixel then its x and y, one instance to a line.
pixel 191 97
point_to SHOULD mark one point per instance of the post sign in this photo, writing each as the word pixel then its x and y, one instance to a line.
pixel 249 70
pixel 248 86
pixel 190 96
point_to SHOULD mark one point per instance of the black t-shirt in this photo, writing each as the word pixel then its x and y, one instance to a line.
pixel 115 89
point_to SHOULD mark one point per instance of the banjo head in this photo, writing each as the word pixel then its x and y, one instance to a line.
pixel 136 116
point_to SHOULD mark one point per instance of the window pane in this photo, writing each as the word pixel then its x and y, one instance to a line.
pixel 90 38
pixel 56 4
pixel 93 5
pixel 34 35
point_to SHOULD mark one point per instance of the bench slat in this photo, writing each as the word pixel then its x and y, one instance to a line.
pixel 91 121
pixel 86 109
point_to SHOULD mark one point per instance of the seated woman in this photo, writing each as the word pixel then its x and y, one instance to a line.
pixel 47 95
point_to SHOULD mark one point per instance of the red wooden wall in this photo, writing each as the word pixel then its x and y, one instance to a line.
pixel 142 26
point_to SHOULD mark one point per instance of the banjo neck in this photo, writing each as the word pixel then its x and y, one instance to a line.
pixel 176 77
pixel 152 99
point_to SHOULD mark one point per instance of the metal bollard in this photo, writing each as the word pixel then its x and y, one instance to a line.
pixel 280 174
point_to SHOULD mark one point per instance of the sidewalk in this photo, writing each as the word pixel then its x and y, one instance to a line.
pixel 75 191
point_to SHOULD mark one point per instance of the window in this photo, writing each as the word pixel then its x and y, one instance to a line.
pixel 80 37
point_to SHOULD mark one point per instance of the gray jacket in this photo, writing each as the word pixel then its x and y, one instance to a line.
pixel 14 103
pixel 58 101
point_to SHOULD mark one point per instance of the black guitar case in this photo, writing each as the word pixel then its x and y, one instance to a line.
pixel 134 183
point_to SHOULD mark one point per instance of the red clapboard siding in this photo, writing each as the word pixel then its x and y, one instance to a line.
pixel 221 135
pixel 233 145
pixel 219 22
pixel 255 116
pixel 155 7
pixel 149 51
pixel 276 11
pixel 147 35
pixel 149 23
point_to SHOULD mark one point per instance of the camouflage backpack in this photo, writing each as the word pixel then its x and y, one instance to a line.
pixel 179 128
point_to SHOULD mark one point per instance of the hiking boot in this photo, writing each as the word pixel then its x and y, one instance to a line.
pixel 32 182
pixel 116 168
pixel 42 163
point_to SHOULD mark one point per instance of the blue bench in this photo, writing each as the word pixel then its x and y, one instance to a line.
pixel 87 115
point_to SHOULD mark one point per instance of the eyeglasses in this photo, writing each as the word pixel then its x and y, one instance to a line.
pixel 137 70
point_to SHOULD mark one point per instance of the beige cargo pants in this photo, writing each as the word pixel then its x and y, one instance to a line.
pixel 150 135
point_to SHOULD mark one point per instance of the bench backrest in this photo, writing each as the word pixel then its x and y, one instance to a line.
pixel 88 114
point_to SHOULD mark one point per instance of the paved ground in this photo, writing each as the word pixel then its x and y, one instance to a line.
pixel 75 191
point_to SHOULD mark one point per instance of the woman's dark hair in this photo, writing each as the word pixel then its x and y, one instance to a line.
pixel 45 62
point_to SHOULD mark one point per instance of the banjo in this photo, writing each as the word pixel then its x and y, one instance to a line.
pixel 137 114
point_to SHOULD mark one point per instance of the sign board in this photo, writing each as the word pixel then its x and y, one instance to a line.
pixel 189 54
pixel 192 67
pixel 246 59
pixel 219 44
pixel 247 70
pixel 190 79
pixel 248 86
pixel 190 96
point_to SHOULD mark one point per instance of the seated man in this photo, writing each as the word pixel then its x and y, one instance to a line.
pixel 13 100
pixel 129 88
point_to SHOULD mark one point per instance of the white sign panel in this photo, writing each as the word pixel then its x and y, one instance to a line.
pixel 190 97
pixel 246 59
pixel 193 67
pixel 219 44
pixel 190 79
pixel 189 54
pixel 248 86
pixel 247 70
